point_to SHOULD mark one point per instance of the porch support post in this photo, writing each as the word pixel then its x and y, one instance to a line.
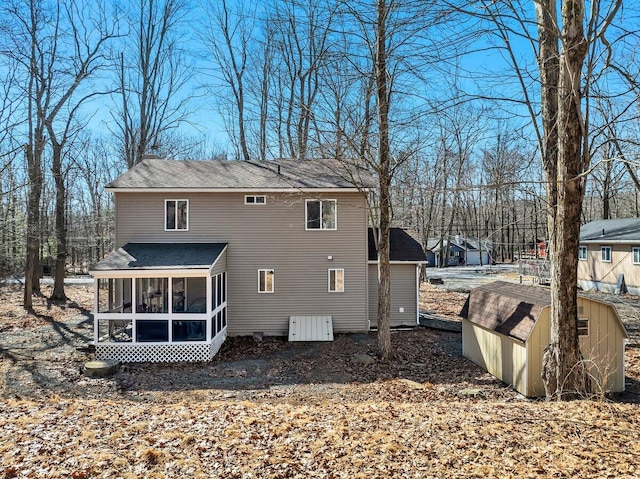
pixel 209 301
pixel 96 289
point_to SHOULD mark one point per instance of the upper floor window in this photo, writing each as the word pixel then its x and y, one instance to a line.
pixel 176 215
pixel 255 200
pixel 582 253
pixel 321 215
pixel 636 255
pixel 605 254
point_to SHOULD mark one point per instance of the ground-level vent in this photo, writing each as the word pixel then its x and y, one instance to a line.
pixel 310 328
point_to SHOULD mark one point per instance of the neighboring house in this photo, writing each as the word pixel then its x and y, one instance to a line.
pixel 461 251
pixel 506 328
pixel 608 249
pixel 207 249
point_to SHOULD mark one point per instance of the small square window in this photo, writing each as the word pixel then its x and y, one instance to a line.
pixel 605 254
pixel 336 280
pixel 583 327
pixel 636 255
pixel 176 215
pixel 266 279
pixel 582 253
pixel 255 200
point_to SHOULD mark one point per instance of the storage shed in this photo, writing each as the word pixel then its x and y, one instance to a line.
pixel 506 328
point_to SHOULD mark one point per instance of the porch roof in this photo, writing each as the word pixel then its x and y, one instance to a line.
pixel 142 256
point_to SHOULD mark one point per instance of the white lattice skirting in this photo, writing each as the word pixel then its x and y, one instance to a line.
pixel 161 353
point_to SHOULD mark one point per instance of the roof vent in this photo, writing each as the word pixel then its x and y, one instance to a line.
pixel 278 169
pixel 602 231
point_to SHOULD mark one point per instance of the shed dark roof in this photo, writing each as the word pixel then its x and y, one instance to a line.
pixel 137 256
pixel 622 230
pixel 507 308
pixel 280 174
pixel 403 247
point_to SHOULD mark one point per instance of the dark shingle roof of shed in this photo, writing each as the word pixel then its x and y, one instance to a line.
pixel 299 174
pixel 507 308
pixel 403 247
pixel 136 256
pixel 621 230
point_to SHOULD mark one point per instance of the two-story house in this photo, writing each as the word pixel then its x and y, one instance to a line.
pixel 207 249
pixel 609 249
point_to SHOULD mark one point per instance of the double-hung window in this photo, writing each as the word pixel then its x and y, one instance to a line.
pixel 321 214
pixel 636 255
pixel 605 254
pixel 266 279
pixel 582 253
pixel 176 215
pixel 336 280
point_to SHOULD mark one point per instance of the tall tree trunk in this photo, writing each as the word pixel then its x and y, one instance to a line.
pixel 58 293
pixel 563 372
pixel 384 175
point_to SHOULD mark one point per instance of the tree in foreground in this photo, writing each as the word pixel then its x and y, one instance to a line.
pixel 561 59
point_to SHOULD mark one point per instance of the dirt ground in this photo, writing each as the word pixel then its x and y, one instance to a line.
pixel 271 408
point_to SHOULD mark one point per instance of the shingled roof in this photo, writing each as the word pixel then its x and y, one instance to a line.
pixel 139 256
pixel 507 308
pixel 403 247
pixel 621 230
pixel 245 175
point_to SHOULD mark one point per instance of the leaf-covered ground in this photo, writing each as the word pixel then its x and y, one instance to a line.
pixel 273 409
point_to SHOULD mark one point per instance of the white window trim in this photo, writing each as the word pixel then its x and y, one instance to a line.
pixel 306 214
pixel 635 250
pixel 176 215
pixel 582 257
pixel 335 290
pixel 254 202
pixel 273 280
pixel 602 250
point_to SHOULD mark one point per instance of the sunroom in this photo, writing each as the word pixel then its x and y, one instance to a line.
pixel 157 302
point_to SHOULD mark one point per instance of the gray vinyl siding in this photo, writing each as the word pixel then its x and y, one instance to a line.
pixel 403 294
pixel 221 264
pixel 267 236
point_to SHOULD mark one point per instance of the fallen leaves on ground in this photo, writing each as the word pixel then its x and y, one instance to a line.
pixel 333 438
pixel 272 409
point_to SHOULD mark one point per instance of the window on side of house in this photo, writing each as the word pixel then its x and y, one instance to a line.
pixel 605 254
pixel 336 280
pixel 636 255
pixel 582 253
pixel 255 200
pixel 266 279
pixel 583 327
pixel 321 214
pixel 176 217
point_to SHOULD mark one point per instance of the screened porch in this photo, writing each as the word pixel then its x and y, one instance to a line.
pixel 156 310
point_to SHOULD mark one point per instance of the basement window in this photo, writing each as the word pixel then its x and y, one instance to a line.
pixel 583 327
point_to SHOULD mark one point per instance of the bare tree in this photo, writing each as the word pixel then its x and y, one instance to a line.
pixel 566 159
pixel 79 40
pixel 153 73
pixel 228 40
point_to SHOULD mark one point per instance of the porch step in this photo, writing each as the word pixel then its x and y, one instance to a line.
pixel 310 328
